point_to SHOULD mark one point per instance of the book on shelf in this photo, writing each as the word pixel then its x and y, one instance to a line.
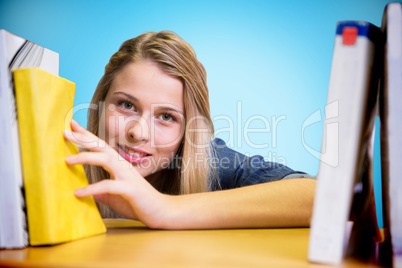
pixel 15 52
pixel 45 109
pixel 344 219
pixel 391 135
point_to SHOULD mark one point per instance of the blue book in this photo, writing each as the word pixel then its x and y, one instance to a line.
pixel 391 135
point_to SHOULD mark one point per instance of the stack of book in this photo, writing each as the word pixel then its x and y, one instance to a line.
pixel 37 204
pixel 366 74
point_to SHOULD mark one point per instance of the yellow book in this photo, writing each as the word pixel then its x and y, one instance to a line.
pixel 44 108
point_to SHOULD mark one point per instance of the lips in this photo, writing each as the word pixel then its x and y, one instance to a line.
pixel 133 155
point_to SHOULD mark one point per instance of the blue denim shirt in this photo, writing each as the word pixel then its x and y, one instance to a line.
pixel 236 170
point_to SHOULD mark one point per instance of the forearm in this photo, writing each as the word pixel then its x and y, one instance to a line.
pixel 286 203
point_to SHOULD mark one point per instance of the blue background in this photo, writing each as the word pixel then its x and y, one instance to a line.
pixel 264 58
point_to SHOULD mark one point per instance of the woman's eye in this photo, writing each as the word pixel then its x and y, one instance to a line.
pixel 127 105
pixel 166 117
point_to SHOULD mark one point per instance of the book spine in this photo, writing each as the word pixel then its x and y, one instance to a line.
pixel 347 108
pixel 391 132
pixel 13 225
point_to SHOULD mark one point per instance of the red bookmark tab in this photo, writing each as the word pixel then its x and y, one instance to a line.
pixel 349 36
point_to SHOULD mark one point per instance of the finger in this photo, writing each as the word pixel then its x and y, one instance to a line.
pixel 103 187
pixel 111 163
pixel 86 140
pixel 98 158
pixel 75 126
pixel 117 203
pixel 102 198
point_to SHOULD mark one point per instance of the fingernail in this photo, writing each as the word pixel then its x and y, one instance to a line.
pixel 79 192
pixel 75 123
pixel 67 134
pixel 69 158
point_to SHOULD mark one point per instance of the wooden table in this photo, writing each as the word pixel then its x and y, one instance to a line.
pixel 130 244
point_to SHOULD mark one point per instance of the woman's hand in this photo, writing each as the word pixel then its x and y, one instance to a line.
pixel 284 203
pixel 127 192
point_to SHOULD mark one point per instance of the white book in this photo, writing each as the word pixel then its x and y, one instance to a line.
pixel 344 173
pixel 15 52
pixel 391 132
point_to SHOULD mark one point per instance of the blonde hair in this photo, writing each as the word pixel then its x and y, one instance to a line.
pixel 175 58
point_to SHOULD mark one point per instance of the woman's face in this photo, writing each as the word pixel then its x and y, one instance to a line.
pixel 144 116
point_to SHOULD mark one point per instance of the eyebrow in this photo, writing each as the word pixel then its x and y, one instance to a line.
pixel 158 107
pixel 127 95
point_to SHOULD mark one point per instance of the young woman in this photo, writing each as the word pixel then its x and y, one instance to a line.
pixel 151 156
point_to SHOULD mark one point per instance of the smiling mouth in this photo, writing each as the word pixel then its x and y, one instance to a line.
pixel 131 152
pixel 134 157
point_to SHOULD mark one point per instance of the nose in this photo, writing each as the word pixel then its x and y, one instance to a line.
pixel 138 130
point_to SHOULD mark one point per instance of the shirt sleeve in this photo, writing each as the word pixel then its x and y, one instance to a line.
pixel 237 170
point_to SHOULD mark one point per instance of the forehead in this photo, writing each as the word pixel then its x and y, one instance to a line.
pixel 149 84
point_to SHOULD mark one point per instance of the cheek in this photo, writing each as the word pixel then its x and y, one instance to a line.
pixel 167 137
